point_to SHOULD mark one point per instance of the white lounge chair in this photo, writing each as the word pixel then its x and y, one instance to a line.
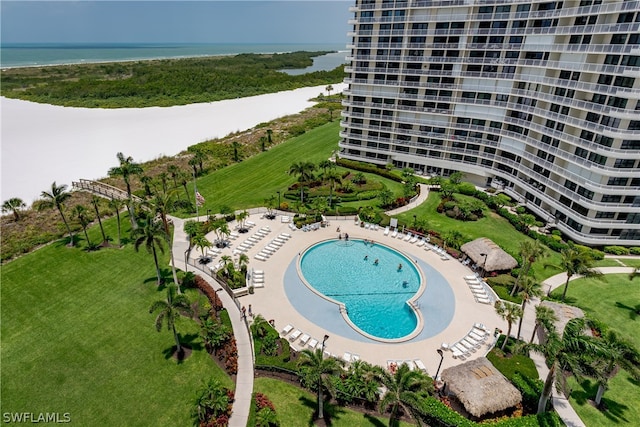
pixel 394 234
pixel 421 242
pixel 287 235
pixel 260 257
pixel 294 336
pixel 250 223
pixel 483 300
pixel 355 357
pixel 257 280
pixel 408 237
pixel 304 338
pixel 286 330
pixel 386 231
pixel 347 357
pixel 420 365
pixel 313 343
pixel 413 239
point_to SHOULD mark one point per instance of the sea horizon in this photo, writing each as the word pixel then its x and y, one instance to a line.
pixel 17 55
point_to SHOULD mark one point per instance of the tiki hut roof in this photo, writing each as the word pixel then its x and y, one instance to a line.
pixel 480 387
pixel 564 313
pixel 497 259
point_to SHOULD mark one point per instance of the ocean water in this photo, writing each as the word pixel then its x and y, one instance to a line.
pixel 28 55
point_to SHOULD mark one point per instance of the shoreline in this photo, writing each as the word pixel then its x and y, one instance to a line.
pixel 42 143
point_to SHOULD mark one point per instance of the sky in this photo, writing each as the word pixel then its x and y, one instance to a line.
pixel 168 21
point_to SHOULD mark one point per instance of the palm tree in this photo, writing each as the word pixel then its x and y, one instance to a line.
pixel 332 178
pixel 325 165
pixel 318 369
pixel 263 143
pixel 170 310
pixel 329 89
pixel 214 333
pixel 116 205
pixel 56 198
pixel 151 235
pixel 126 170
pixel 14 205
pixel 82 215
pixel 576 261
pixel 405 390
pixel 199 156
pixel 385 195
pixel 221 228
pixel 184 180
pixel 95 201
pixel 530 251
pixel 211 402
pixel 456 177
pixel 545 317
pixel 260 326
pixel 162 178
pixel 241 217
pixel 510 312
pixel 270 136
pixel 622 355
pixel 200 241
pixel 243 262
pixel 304 170
pixel 571 353
pixel 530 289
pixel 162 204
pixel 174 170
pixel 146 182
pixel 453 239
pixel 362 380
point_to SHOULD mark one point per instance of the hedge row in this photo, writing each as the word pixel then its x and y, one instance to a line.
pixel 369 168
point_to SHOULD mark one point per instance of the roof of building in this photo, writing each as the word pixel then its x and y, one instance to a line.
pixel 496 258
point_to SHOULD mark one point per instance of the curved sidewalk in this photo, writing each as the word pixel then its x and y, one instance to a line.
pixel 560 403
pixel 417 201
pixel 244 377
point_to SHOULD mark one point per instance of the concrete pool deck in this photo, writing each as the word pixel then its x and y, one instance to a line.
pixel 317 317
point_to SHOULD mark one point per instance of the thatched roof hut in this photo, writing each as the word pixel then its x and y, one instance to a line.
pixel 496 258
pixel 480 387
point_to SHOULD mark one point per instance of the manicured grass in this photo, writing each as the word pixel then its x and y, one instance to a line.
pixel 608 262
pixel 296 407
pixel 631 262
pixel 612 302
pixel 491 225
pixel 77 337
pixel 508 366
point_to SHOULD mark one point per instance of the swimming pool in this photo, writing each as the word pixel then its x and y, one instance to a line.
pixel 376 296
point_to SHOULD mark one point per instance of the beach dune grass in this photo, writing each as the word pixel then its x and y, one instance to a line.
pixel 77 337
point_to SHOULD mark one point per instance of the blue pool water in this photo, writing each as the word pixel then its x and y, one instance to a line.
pixel 375 296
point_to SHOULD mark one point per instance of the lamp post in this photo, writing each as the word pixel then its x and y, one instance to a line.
pixel 208 214
pixel 320 410
pixel 484 264
pixel 186 265
pixel 439 364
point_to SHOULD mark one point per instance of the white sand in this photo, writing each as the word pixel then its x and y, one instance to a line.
pixel 45 143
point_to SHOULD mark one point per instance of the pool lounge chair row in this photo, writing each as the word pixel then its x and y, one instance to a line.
pixel 350 357
pixel 252 240
pixel 471 342
pixel 257 278
pixel 298 336
pixel 478 290
pixel 272 246
pixel 392 365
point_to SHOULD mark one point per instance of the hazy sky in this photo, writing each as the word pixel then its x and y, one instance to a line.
pixel 238 21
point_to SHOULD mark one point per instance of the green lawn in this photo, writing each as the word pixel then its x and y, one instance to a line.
pixel 612 302
pixel 491 225
pixel 77 337
pixel 295 407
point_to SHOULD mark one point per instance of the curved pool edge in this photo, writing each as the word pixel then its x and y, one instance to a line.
pixel 411 302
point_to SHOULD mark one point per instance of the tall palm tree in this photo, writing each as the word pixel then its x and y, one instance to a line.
pixel 81 213
pixel 325 165
pixel 576 261
pixel 453 239
pixel 241 217
pixel 146 181
pixel 571 353
pixel 333 178
pixel 170 310
pixel 56 198
pixel 151 234
pixel 127 169
pixel 96 201
pixel 270 136
pixel 329 89
pixel 14 205
pixel 304 170
pixel 236 146
pixel 200 241
pixel 362 380
pixel 162 204
pixel 199 156
pixel 174 170
pixel 510 312
pixel 243 262
pixel 405 390
pixel 622 355
pixel 530 289
pixel 116 205
pixel 184 179
pixel 545 317
pixel 319 369
pixel 530 251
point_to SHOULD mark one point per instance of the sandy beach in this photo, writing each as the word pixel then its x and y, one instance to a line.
pixel 45 143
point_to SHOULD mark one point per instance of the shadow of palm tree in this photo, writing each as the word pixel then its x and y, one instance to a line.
pixel 64 241
pixel 374 421
pixel 609 408
pixel 633 311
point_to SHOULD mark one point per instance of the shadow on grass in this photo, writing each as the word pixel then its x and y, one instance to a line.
pixel 633 311
pixel 190 342
pixel 166 278
pixel 609 408
pixel 64 241
pixel 374 421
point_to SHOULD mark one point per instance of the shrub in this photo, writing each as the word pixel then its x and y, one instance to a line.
pixel 531 389
pixel 616 250
pixel 597 255
pixel 467 189
pixel 635 250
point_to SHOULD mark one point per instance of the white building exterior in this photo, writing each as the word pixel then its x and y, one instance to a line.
pixel 538 98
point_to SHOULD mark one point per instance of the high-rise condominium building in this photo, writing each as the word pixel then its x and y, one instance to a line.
pixel 538 98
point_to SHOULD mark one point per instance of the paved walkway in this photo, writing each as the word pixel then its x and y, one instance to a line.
pixel 424 193
pixel 244 377
pixel 560 403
